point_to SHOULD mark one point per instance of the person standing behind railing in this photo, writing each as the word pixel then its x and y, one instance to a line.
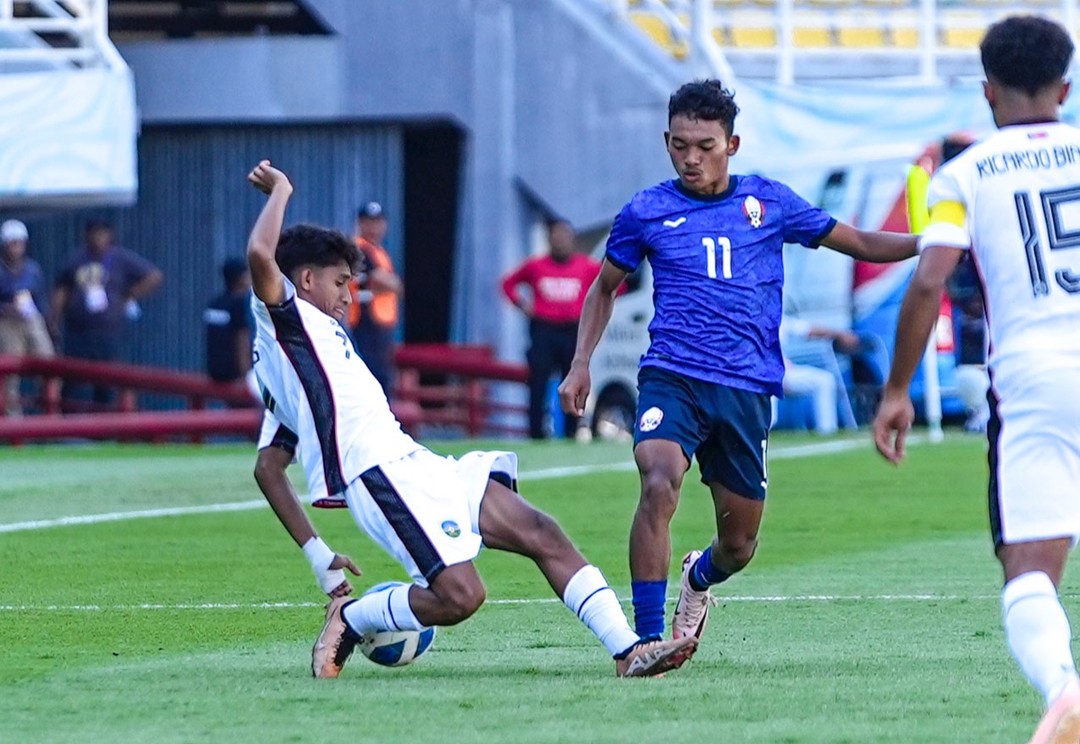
pixel 97 295
pixel 227 321
pixel 376 312
pixel 558 283
pixel 22 307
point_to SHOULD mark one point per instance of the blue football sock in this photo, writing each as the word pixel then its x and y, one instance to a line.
pixel 649 599
pixel 704 573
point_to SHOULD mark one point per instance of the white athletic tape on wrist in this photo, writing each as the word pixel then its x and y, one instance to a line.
pixel 320 556
pixel 330 580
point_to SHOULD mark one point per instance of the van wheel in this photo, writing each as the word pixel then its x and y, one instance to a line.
pixel 613 418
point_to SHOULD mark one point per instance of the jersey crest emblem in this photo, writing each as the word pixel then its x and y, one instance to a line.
pixel 651 419
pixel 754 211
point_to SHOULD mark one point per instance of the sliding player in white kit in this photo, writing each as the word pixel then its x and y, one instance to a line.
pixel 1013 200
pixel 431 513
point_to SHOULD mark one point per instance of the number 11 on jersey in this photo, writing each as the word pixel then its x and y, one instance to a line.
pixel 710 256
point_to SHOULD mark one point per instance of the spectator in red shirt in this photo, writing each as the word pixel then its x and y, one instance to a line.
pixel 557 282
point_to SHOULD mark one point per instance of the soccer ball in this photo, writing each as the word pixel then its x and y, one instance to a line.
pixel 394 648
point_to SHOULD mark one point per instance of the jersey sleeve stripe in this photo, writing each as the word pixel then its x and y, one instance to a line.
pixel 946 235
pixel 824 233
pixel 285 439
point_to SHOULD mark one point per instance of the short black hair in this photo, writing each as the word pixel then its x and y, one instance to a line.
pixel 704 99
pixel 1027 53
pixel 954 144
pixel 97 223
pixel 309 245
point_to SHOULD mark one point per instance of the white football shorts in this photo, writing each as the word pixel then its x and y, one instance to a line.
pixel 424 509
pixel 1034 458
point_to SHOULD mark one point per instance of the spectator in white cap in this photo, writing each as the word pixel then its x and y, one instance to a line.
pixel 22 308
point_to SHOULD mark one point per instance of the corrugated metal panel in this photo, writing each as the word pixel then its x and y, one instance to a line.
pixel 195 209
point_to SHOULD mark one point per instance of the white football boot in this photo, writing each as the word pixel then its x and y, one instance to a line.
pixel 692 609
pixel 335 643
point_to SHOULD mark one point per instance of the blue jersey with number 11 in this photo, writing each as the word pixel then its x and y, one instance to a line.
pixel 718 275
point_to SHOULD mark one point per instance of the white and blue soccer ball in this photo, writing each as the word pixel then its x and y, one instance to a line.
pixel 394 648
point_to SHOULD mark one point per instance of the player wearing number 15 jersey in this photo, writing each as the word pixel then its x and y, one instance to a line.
pixel 714 241
pixel 1013 201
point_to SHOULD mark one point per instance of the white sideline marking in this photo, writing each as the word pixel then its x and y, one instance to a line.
pixel 544 600
pixel 805 450
pixel 41 524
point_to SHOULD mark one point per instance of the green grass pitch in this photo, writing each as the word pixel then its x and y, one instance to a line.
pixel 871 612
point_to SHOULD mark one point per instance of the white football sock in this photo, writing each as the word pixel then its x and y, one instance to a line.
pixel 386 610
pixel 594 602
pixel 1038 633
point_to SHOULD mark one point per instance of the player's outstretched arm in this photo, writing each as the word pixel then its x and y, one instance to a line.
pixel 266 278
pixel 595 315
pixel 918 314
pixel 270 474
pixel 876 247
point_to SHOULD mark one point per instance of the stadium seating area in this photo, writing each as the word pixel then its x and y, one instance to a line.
pixel 867 25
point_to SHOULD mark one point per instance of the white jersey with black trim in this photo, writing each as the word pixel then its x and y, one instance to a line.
pixel 273 433
pixel 1014 201
pixel 315 383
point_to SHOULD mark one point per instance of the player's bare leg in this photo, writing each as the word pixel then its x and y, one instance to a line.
pixel 453 596
pixel 508 522
pixel 1048 556
pixel 1038 632
pixel 738 520
pixel 661 466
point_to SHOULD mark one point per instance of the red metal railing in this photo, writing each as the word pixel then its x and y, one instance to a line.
pixel 444 385
pixel 127 379
pixel 123 420
pixel 448 385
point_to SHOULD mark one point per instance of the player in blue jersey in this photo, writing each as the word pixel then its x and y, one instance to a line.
pixel 714 241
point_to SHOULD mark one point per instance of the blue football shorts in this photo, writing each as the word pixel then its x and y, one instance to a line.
pixel 725 428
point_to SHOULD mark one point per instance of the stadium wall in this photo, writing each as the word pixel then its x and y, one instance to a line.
pixel 195 208
pixel 561 113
